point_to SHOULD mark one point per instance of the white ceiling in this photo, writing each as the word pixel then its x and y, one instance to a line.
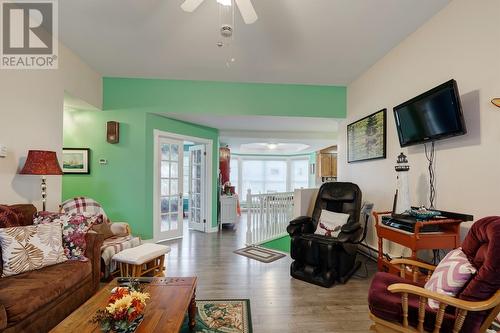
pixel 259 123
pixel 246 134
pixel 293 41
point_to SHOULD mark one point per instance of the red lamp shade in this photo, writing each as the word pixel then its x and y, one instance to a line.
pixel 41 162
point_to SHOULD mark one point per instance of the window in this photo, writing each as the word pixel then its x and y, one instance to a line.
pixel 233 175
pixel 299 174
pixel 264 176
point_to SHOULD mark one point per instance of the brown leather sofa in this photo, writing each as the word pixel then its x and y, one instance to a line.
pixel 37 301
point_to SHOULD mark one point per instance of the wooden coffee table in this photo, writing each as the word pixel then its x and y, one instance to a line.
pixel 165 311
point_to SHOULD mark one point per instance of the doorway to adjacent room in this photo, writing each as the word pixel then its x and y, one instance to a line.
pixel 182 185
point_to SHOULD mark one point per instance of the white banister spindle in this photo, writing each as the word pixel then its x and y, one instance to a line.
pixel 249 217
pixel 268 216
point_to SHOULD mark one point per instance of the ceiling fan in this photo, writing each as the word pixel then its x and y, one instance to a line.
pixel 245 6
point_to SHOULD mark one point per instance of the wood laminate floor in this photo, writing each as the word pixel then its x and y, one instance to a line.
pixel 279 303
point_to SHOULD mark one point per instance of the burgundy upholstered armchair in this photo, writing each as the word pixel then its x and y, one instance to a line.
pixel 399 305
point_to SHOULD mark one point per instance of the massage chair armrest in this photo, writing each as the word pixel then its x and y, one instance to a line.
pixel 351 228
pixel 3 317
pixel 300 225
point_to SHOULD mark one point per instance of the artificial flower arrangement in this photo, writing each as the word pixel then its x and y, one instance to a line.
pixel 125 310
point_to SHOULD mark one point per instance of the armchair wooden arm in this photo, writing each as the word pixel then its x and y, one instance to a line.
pixel 404 263
pixel 462 306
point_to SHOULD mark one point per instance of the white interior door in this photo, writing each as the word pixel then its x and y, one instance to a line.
pixel 197 183
pixel 169 221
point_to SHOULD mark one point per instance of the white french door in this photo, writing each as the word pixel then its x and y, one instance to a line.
pixel 197 183
pixel 169 219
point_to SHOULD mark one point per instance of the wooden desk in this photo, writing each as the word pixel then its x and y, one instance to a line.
pixel 447 238
pixel 170 299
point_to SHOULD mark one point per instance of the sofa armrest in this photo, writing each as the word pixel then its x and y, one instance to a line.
pixel 300 225
pixel 93 253
pixel 120 229
pixel 3 317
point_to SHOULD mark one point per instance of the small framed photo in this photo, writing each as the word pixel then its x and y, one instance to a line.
pixel 76 161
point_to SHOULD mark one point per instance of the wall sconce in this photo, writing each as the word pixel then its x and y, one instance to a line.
pixel 496 102
pixel 113 132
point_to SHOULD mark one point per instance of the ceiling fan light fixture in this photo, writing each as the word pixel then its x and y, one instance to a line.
pixel 224 2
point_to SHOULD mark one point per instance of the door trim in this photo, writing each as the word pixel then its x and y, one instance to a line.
pixel 209 179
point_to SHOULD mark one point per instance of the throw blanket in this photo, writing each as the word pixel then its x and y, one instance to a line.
pixel 113 245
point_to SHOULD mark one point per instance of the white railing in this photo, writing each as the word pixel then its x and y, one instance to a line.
pixel 267 216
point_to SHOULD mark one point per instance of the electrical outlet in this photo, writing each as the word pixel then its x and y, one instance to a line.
pixel 3 151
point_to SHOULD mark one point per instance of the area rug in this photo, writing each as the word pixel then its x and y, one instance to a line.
pixel 221 316
pixel 260 254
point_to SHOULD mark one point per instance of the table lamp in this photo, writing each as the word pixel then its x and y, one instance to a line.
pixel 43 163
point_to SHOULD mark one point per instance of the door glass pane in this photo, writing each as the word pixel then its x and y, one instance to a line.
pixel 165 166
pixel 174 156
pixel 196 186
pixel 164 187
pixel 174 171
pixel 173 222
pixel 165 151
pixel 164 205
pixel 174 205
pixel 164 223
pixel 174 186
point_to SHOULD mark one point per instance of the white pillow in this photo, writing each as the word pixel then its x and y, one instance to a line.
pixel 31 247
pixel 330 223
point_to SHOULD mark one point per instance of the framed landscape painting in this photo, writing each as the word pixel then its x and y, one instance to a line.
pixel 76 161
pixel 366 138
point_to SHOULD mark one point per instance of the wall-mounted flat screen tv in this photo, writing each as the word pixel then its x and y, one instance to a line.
pixel 434 115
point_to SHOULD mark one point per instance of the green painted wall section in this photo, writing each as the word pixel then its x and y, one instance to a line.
pixel 124 186
pixel 224 98
pixel 119 185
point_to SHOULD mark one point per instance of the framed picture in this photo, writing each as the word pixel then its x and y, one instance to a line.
pixel 366 138
pixel 76 161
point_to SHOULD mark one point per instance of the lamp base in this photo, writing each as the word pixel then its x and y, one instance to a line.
pixel 44 192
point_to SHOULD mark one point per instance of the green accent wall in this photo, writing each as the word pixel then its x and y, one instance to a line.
pixel 120 185
pixel 124 186
pixel 225 98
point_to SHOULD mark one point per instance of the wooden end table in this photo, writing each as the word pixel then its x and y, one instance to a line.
pixel 447 238
pixel 165 311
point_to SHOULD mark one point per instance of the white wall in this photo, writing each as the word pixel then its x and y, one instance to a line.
pixel 460 42
pixel 31 117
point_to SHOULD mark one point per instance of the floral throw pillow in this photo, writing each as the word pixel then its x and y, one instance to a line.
pixel 31 247
pixel 75 228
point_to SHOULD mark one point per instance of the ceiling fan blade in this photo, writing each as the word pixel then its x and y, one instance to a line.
pixel 191 5
pixel 247 11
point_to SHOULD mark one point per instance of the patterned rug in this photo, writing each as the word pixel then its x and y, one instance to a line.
pixel 260 254
pixel 221 316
